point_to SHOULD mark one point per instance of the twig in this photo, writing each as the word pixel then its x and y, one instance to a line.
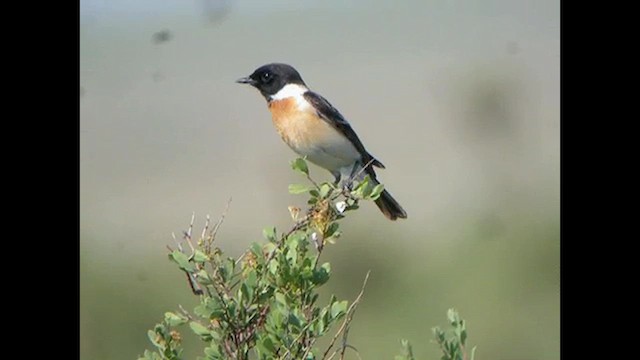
pixel 187 235
pixel 300 224
pixel 346 189
pixel 352 178
pixel 309 347
pixel 319 243
pixel 214 231
pixel 241 257
pixel 344 343
pixel 302 332
pixel 313 182
pixel 173 235
pixel 206 227
pixel 187 314
pixel 350 347
pixel 347 319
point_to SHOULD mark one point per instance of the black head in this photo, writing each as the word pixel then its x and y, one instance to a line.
pixel 270 78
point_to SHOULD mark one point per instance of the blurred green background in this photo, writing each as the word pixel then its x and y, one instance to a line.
pixel 458 98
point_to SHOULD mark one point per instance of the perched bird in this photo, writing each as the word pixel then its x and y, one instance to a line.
pixel 314 129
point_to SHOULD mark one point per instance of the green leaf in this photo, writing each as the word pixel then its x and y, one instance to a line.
pixel 331 229
pixel 321 275
pixel 268 248
pixel 148 355
pixel 182 260
pixel 200 330
pixel 203 277
pixel 269 233
pixel 267 346
pixel 292 255
pixel 321 325
pixel 298 188
pixel 212 352
pixel 247 292
pixel 439 334
pixel 152 337
pixel 366 188
pixel 338 308
pixel 407 351
pixel 325 190
pixel 295 321
pixel 199 256
pixel 258 252
pixel 377 190
pixel 351 206
pixel 300 165
pixel 275 321
pixel 209 308
pixel 281 298
pixel 227 268
pixel 273 267
pixel 453 317
pixel 306 269
pixel 297 237
pixel 174 319
pixel 202 311
pixel 251 279
pixel 232 307
pixel 332 239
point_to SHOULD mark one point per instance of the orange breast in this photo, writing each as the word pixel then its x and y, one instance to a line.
pixel 301 129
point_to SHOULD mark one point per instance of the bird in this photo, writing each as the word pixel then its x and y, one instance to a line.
pixel 317 131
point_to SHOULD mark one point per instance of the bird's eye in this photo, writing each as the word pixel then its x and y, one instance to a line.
pixel 266 77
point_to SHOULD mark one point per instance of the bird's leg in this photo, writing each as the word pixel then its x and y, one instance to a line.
pixel 355 173
pixel 336 176
pixel 345 184
pixel 347 181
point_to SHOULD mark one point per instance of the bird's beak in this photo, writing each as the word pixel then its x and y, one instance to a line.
pixel 246 80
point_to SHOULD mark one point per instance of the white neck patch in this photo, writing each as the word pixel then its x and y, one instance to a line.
pixel 290 90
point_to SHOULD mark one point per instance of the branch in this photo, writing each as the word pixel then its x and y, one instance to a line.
pixel 347 321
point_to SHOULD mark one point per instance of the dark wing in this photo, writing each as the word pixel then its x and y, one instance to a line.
pixel 332 116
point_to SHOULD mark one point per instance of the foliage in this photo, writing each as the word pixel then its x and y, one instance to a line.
pixel 265 303
pixel 453 347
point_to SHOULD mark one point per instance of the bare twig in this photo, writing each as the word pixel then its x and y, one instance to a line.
pixel 350 347
pixel 204 230
pixel 355 176
pixel 347 320
pixel 313 182
pixel 309 347
pixel 173 235
pixel 187 235
pixel 319 243
pixel 241 257
pixel 214 231
pixel 187 314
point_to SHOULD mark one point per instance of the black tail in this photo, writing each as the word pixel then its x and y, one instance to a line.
pixel 390 207
pixel 386 203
